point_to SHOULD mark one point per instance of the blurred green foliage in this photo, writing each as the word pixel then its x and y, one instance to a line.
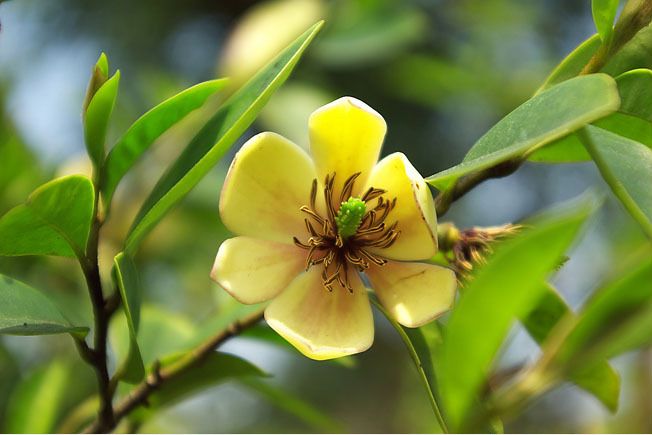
pixel 441 73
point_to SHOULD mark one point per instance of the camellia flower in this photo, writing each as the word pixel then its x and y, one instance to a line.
pixel 309 224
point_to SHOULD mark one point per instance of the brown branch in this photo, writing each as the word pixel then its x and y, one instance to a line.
pixel 462 186
pixel 140 394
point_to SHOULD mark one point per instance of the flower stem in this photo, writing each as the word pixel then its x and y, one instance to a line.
pixel 427 383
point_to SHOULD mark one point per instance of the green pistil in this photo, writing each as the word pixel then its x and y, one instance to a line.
pixel 349 217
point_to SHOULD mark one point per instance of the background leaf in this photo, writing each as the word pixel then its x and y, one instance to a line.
pixel 55 220
pixel 626 166
pixel 142 133
pixel 550 115
pixel 618 318
pixel 604 14
pixel 504 289
pixel 284 400
pixel 215 138
pixel 601 380
pixel 573 64
pixel 216 368
pixel 35 403
pixel 96 118
pixel 126 275
pixel 26 311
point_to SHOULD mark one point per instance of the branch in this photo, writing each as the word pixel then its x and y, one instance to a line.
pixel 462 186
pixel 159 376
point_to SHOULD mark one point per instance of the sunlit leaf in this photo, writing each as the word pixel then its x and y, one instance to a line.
pixel 626 166
pixel 126 276
pixel 35 404
pixel 290 403
pixel 546 117
pixel 142 133
pixel 55 220
pixel 96 118
pixel 604 13
pixel 600 380
pixel 215 138
pixel 635 89
pixel 503 290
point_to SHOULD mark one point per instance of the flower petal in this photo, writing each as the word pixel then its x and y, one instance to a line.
pixel 254 270
pixel 414 211
pixel 413 293
pixel 322 324
pixel 269 180
pixel 346 137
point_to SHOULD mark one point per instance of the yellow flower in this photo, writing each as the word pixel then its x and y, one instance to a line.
pixel 308 225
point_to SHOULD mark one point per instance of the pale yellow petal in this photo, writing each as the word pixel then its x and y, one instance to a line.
pixel 269 180
pixel 322 324
pixel 346 137
pixel 413 293
pixel 255 270
pixel 414 211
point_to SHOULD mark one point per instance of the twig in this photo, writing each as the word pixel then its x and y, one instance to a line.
pixel 159 376
pixel 461 187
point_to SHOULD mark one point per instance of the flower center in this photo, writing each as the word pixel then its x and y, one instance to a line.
pixel 349 217
pixel 341 240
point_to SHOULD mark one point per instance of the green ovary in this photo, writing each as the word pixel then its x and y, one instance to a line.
pixel 349 217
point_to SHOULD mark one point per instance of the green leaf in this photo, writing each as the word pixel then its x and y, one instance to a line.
pixel 35 404
pixel 626 166
pixel 126 276
pixel 161 333
pixel 422 356
pixel 140 136
pixel 218 367
pixel 99 76
pixel 634 54
pixel 96 118
pixel 26 311
pixel 600 380
pixel 55 220
pixel 604 14
pixel 570 149
pixel 573 64
pixel 284 400
pixel 635 89
pixel 504 289
pixel 546 117
pixel 215 138
pixel 616 319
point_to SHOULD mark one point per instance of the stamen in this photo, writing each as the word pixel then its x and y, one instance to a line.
pixel 342 237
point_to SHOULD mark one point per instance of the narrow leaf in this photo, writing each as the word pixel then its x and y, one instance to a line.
pixel 601 380
pixel 140 136
pixel 26 311
pixel 210 144
pixel 604 14
pixel 618 318
pixel 96 118
pixel 55 220
pixel 35 405
pixel 546 117
pixel 126 276
pixel 284 400
pixel 504 289
pixel 626 166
